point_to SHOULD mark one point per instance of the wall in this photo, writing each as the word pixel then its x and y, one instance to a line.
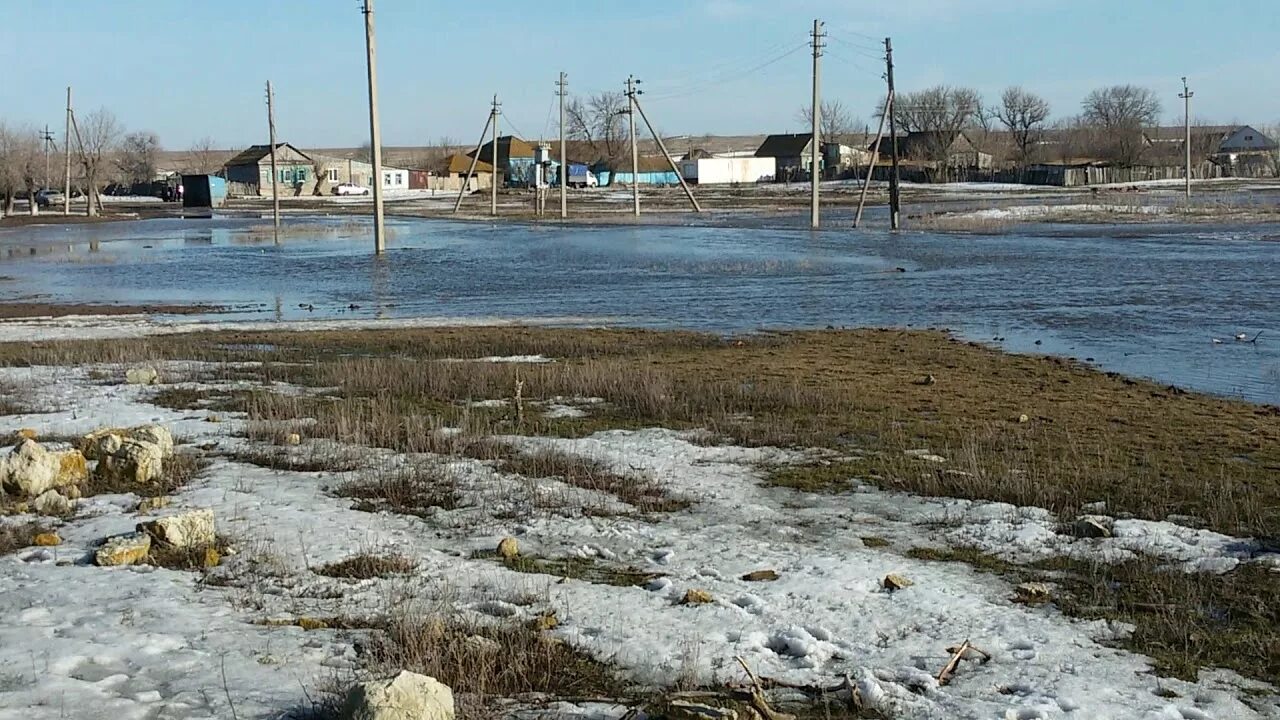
pixel 712 171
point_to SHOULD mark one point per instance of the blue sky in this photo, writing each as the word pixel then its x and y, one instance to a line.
pixel 188 70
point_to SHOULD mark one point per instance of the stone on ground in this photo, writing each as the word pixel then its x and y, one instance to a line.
pixel 761 576
pixel 47 540
pixel 107 441
pixel 145 375
pixel 134 461
pixel 185 530
pixel 51 502
pixel 30 470
pixel 893 582
pixel 1092 526
pixel 509 548
pixel 407 696
pixel 129 549
pixel 694 596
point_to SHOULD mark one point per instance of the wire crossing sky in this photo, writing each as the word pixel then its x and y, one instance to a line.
pixel 194 70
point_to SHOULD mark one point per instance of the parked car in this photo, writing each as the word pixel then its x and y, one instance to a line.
pixel 350 189
pixel 47 197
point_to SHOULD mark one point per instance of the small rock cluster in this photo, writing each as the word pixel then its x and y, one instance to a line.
pixel 407 696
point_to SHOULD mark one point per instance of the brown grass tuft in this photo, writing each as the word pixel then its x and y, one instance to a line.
pixel 15 537
pixel 367 566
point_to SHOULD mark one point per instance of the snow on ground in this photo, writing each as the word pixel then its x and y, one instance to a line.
pixel 93 327
pixel 121 643
pixel 1023 212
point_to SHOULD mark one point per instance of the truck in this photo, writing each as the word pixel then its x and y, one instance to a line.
pixel 580 176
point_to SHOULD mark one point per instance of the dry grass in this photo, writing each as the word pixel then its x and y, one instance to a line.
pixel 305 458
pixel 15 537
pixel 1183 621
pixel 177 471
pixel 490 660
pixel 197 558
pixel 410 489
pixel 575 568
pixel 367 566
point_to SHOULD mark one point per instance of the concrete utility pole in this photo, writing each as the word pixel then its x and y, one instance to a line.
pixel 375 131
pixel 497 171
pixel 275 174
pixel 66 138
pixel 475 159
pixel 815 151
pixel 635 153
pixel 895 201
pixel 670 160
pixel 875 155
pixel 48 139
pixel 562 91
pixel 1186 119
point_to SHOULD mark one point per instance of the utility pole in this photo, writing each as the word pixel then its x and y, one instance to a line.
pixel 48 139
pixel 815 151
pixel 1186 119
pixel 635 153
pixel 895 201
pixel 66 138
pixel 497 172
pixel 475 159
pixel 562 91
pixel 375 131
pixel 275 175
pixel 875 155
pixel 670 160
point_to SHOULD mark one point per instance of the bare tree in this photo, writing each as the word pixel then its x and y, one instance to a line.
pixel 600 123
pixel 1273 155
pixel 99 137
pixel 202 157
pixel 21 166
pixel 137 157
pixel 1124 112
pixel 1024 114
pixel 837 121
pixel 320 168
pixel 939 114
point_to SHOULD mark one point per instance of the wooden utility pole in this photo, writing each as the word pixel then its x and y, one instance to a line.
pixel 875 155
pixel 275 174
pixel 48 139
pixel 497 172
pixel 635 153
pixel 562 91
pixel 670 160
pixel 895 201
pixel 1186 120
pixel 475 159
pixel 66 138
pixel 815 151
pixel 375 131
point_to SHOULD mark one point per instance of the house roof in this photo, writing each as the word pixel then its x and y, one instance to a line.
pixel 789 145
pixel 509 146
pixel 917 144
pixel 255 153
pixel 460 164
pixel 1176 133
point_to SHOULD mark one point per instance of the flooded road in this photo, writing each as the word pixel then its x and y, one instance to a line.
pixel 1145 300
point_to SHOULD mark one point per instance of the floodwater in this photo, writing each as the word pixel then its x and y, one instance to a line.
pixel 1143 300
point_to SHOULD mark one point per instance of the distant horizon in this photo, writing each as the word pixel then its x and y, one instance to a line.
pixel 726 68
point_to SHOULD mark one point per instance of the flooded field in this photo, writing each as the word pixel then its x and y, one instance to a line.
pixel 1147 300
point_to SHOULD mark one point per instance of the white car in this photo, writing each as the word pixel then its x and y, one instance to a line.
pixel 350 189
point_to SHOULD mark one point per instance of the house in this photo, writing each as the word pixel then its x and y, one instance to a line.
pixel 654 170
pixel 837 157
pixel 449 173
pixel 338 170
pixel 791 155
pixel 515 160
pixel 250 171
pixel 927 147
pixel 703 168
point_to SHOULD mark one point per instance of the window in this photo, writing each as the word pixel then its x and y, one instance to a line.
pixel 386 179
pixel 333 174
pixel 399 178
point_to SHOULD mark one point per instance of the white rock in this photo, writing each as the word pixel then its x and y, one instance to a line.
pixel 157 434
pixel 135 461
pixel 407 696
pixel 145 375
pixel 31 470
pixel 51 502
pixel 184 530
pixel 128 549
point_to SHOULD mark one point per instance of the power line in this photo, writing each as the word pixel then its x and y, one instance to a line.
pixel 869 51
pixel 728 78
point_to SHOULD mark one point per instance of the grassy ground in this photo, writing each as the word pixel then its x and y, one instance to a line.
pixel 1026 430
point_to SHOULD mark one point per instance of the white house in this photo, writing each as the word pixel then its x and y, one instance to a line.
pixel 349 170
pixel 702 168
